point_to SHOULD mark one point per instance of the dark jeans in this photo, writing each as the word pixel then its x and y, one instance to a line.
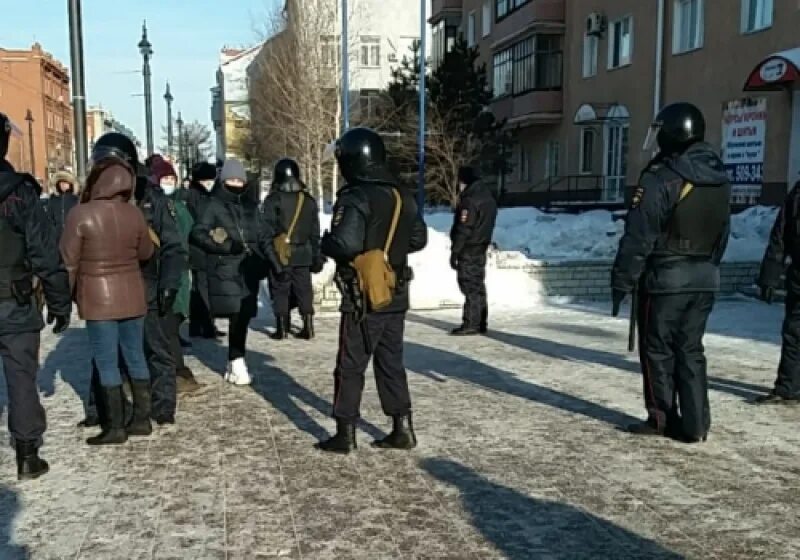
pixel 378 336
pixel 200 321
pixel 673 360
pixel 20 355
pixel 297 282
pixel 237 335
pixel 161 363
pixel 788 382
pixel 471 275
pixel 175 342
pixel 105 337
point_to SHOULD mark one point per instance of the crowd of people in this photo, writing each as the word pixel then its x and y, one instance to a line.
pixel 140 256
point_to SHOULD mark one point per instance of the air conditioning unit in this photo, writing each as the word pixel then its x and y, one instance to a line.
pixel 595 24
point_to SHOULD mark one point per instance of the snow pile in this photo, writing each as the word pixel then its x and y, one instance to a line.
pixel 594 235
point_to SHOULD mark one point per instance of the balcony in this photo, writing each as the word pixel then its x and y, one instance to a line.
pixel 528 109
pixel 535 15
pixel 441 9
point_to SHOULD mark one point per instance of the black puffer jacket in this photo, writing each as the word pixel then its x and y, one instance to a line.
pixel 197 200
pixel 784 244
pixel 279 209
pixel 474 220
pixel 233 278
pixel 362 217
pixel 677 230
pixel 28 247
pixel 58 206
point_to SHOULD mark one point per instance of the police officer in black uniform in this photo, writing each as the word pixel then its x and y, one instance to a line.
pixel 675 235
pixel 28 247
pixel 471 235
pixel 361 222
pixel 162 275
pixel 280 209
pixel 784 243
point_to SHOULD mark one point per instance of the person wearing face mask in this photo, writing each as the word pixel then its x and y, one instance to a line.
pixel 201 324
pixel 238 244
pixel 471 235
pixel 163 173
pixel 63 198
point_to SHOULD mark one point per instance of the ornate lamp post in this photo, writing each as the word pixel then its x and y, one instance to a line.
pixel 147 51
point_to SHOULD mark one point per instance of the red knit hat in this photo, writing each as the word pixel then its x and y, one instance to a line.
pixel 160 169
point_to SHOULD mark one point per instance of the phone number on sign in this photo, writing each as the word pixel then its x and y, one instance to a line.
pixel 745 173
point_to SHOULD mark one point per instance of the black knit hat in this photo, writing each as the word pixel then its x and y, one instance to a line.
pixel 204 171
pixel 467 175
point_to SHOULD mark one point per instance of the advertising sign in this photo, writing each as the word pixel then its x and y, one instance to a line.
pixel 744 129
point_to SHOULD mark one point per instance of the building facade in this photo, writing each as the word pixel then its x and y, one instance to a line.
pixel 230 103
pixel 738 60
pixel 35 94
pixel 100 120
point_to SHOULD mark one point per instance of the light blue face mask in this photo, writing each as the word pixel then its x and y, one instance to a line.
pixel 168 188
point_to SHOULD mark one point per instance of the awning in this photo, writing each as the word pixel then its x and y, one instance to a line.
pixel 594 113
pixel 775 72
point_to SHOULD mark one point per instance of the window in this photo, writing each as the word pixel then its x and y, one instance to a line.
pixel 524 164
pixel 370 52
pixel 551 164
pixel 505 7
pixel 587 151
pixel 330 51
pixel 369 104
pixel 444 38
pixel 590 50
pixel 687 34
pixel 503 66
pixel 756 15
pixel 471 29
pixel 548 62
pixel 531 64
pixel 620 42
pixel 486 18
pixel 50 120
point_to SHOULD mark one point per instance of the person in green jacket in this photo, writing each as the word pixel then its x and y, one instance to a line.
pixel 164 175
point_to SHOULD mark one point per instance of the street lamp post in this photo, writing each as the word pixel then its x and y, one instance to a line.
pixel 168 98
pixel 29 118
pixel 345 69
pixel 422 92
pixel 147 51
pixel 182 161
pixel 78 88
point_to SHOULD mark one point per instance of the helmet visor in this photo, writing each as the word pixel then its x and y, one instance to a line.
pixel 651 140
pixel 104 153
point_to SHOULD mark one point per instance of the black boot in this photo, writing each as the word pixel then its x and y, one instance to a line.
pixel 140 419
pixel 773 398
pixel 29 465
pixel 343 442
pixel 92 418
pixel 282 325
pixel 308 328
pixel 484 328
pixel 114 428
pixel 465 330
pixel 646 428
pixel 402 436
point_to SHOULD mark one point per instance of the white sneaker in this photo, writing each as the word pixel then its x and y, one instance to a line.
pixel 237 372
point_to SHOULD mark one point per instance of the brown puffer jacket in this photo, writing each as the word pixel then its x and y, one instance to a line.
pixel 104 240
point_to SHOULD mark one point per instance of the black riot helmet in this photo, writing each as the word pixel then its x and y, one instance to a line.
pixel 115 146
pixel 676 127
pixel 5 135
pixel 361 155
pixel 286 176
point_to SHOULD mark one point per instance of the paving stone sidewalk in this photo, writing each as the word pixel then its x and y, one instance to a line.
pixel 520 455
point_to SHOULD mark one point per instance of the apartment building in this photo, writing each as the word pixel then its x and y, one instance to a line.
pixel 35 94
pixel 738 60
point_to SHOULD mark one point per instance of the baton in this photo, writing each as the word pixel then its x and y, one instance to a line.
pixel 632 321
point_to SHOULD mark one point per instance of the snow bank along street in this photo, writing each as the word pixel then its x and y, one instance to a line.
pixel 520 455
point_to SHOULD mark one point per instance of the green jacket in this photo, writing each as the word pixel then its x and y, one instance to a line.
pixel 185 223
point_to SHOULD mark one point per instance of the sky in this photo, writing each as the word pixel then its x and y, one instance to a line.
pixel 186 35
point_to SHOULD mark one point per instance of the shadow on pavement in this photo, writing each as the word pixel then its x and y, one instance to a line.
pixel 567 352
pixel 522 527
pixel 61 360
pixel 9 507
pixel 277 387
pixel 429 361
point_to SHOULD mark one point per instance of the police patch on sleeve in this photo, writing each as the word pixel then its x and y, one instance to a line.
pixel 464 216
pixel 337 217
pixel 637 196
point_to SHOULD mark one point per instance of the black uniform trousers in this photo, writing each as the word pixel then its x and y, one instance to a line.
pixel 200 321
pixel 20 355
pixel 175 344
pixel 160 362
pixel 471 275
pixel 378 336
pixel 297 282
pixel 787 384
pixel 671 329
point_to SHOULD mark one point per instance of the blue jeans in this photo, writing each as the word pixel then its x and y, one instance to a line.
pixel 127 336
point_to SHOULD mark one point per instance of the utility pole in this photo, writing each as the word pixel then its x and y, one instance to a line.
pixel 168 98
pixel 345 69
pixel 147 51
pixel 422 102
pixel 78 88
pixel 29 118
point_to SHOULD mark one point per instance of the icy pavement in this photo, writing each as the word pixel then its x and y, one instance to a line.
pixel 520 456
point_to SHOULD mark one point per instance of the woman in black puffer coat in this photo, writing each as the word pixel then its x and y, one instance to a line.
pixel 239 250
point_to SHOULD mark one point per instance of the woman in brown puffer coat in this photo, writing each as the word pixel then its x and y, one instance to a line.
pixel 104 240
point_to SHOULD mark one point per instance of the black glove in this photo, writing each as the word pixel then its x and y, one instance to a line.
pixel 237 247
pixel 166 299
pixel 453 261
pixel 767 294
pixel 617 297
pixel 61 322
pixel 318 265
